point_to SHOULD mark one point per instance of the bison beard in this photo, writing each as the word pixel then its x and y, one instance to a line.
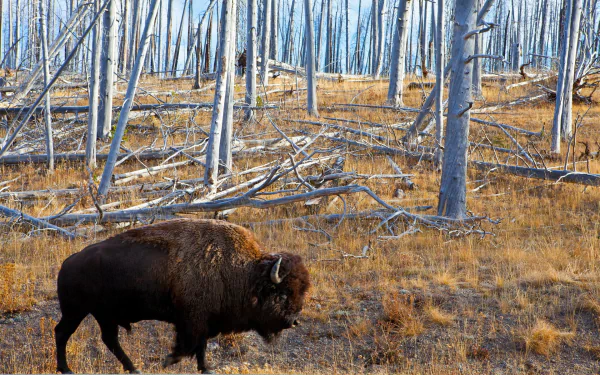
pixel 207 277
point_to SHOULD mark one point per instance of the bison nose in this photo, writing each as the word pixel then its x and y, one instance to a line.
pixel 295 323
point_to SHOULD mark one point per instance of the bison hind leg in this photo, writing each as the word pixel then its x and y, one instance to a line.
pixel 62 332
pixel 110 337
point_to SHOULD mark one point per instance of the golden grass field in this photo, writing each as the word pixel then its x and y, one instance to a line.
pixel 525 300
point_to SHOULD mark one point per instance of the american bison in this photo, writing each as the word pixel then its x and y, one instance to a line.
pixel 207 277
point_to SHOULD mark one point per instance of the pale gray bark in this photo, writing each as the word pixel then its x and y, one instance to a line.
pixel 566 70
pixel 453 192
pixel 311 77
pixel 274 29
pixel 94 92
pixel 198 57
pixel 108 68
pixel 567 115
pixel 225 154
pixel 398 59
pixel 439 79
pixel 347 38
pixel 168 42
pixel 374 36
pixel 252 8
pixel 219 112
pixel 17 31
pixel 266 44
pixel 125 38
pixel 320 33
pixel 128 101
pixel 46 63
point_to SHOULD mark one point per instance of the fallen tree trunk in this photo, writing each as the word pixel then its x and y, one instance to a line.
pixel 218 205
pixel 541 174
pixel 9 212
pixel 141 107
pixel 537 173
pixel 42 158
pixel 508 127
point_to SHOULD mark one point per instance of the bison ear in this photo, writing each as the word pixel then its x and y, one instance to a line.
pixel 254 301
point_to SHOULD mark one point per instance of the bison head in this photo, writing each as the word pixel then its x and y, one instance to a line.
pixel 279 294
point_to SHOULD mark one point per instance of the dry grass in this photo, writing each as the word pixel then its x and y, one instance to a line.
pixel 425 304
pixel 543 338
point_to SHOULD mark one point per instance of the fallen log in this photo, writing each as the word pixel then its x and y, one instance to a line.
pixel 214 206
pixel 508 127
pixel 38 223
pixel 541 174
pixel 518 84
pixel 41 158
pixel 401 109
pixel 141 107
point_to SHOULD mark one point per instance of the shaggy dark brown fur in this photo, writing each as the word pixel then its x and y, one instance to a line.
pixel 207 277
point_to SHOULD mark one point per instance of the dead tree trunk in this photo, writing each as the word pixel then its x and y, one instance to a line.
pixel 266 44
pixel 453 191
pixel 94 92
pixel 252 21
pixel 439 79
pixel 218 115
pixel 108 67
pixel 225 152
pixel 311 75
pixel 398 60
pixel 128 101
pixel 47 114
pixel 168 42
pixel 564 91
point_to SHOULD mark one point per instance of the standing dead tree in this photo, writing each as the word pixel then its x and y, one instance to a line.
pixel 397 68
pixel 127 102
pixel 310 61
pixel 453 188
pixel 563 110
pixel 46 62
pixel 219 115
pixel 251 15
pixel 108 68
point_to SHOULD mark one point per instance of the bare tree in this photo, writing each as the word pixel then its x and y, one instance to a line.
pixel 564 88
pixel 128 101
pixel 225 153
pixel 439 80
pixel 266 43
pixel 311 75
pixel 453 192
pixel 252 21
pixel 398 68
pixel 47 114
pixel 94 92
pixel 108 68
pixel 168 42
pixel 219 112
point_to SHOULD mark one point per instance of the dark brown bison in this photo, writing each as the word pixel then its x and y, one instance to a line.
pixel 204 276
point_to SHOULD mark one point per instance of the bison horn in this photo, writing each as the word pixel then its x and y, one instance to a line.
pixel 275 272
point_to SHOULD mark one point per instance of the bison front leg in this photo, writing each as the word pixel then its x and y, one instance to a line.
pixel 185 345
pixel 201 357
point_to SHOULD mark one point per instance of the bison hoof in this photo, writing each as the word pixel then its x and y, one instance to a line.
pixel 135 372
pixel 208 372
pixel 170 360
